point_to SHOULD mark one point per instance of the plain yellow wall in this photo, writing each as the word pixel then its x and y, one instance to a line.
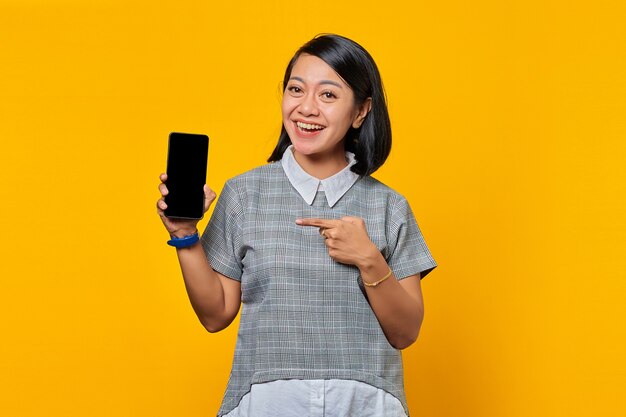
pixel 509 128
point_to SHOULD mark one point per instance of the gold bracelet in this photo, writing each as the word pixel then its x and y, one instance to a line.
pixel 373 284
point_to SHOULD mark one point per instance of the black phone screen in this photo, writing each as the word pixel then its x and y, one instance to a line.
pixel 186 175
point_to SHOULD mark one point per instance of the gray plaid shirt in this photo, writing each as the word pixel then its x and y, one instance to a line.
pixel 305 316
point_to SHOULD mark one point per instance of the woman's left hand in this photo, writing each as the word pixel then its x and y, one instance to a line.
pixel 346 239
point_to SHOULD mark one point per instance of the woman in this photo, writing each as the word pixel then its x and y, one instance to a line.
pixel 325 259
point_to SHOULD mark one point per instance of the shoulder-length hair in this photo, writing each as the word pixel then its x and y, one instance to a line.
pixel 371 142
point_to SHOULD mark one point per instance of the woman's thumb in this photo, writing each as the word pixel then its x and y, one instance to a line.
pixel 209 196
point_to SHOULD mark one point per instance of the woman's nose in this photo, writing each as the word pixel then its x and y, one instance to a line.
pixel 308 106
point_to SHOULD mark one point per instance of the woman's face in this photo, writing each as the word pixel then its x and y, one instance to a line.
pixel 318 108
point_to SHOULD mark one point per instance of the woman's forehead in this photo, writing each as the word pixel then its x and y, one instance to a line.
pixel 310 69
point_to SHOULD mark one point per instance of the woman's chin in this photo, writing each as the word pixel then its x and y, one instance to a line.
pixel 305 147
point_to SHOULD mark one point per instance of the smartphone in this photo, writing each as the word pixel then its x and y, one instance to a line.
pixel 187 156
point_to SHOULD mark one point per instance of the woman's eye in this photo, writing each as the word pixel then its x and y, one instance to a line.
pixel 328 95
pixel 294 89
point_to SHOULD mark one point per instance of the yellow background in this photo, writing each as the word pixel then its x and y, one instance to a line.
pixel 509 125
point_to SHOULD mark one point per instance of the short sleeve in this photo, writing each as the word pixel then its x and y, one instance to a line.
pixel 408 253
pixel 222 238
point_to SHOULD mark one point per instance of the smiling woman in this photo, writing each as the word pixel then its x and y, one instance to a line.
pixel 324 261
pixel 318 109
pixel 343 79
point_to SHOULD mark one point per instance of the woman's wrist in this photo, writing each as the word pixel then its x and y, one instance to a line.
pixel 183 232
pixel 185 241
pixel 373 265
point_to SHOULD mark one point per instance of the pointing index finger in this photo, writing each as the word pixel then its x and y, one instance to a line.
pixel 327 223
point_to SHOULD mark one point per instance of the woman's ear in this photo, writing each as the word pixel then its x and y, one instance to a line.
pixel 363 110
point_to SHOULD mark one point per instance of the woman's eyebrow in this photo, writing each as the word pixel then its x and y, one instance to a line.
pixel 321 82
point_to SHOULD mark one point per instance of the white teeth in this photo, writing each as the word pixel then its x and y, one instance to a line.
pixel 309 126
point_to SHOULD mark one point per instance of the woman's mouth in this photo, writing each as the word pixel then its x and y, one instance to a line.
pixel 308 130
pixel 308 127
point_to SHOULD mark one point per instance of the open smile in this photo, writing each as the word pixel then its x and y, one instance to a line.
pixel 309 126
pixel 308 130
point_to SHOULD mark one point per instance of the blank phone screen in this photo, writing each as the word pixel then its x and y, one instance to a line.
pixel 186 175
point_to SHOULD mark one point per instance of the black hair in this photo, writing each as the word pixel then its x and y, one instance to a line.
pixel 371 142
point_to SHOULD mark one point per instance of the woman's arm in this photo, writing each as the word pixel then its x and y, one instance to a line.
pixel 214 297
pixel 398 305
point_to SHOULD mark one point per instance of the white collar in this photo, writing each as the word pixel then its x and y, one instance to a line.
pixel 307 186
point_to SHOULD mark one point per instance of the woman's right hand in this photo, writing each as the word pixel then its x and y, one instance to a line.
pixel 180 227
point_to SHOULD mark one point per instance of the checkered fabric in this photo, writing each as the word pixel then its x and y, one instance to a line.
pixel 304 315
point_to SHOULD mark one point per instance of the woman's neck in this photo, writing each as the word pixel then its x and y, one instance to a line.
pixel 322 166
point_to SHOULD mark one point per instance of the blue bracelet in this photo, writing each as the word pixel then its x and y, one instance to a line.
pixel 183 242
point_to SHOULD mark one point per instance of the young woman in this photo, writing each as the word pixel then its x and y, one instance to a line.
pixel 325 260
